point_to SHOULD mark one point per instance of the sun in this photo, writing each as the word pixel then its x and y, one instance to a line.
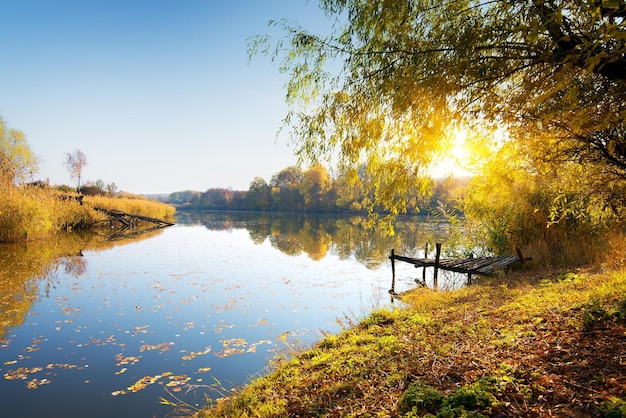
pixel 455 162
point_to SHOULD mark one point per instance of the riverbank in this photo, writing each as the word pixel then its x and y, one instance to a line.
pixel 547 343
pixel 31 213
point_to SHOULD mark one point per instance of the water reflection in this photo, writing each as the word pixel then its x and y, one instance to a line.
pixel 317 236
pixel 93 327
pixel 24 266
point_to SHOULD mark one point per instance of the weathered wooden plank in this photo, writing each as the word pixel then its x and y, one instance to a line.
pixel 485 266
pixel 479 265
pixel 464 262
pixel 501 263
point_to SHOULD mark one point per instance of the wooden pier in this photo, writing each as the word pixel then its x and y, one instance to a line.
pixel 483 266
pixel 129 221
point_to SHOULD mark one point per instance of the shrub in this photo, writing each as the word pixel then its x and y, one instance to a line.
pixel 613 408
pixel 421 398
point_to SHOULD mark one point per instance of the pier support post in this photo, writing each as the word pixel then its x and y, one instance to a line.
pixel 424 268
pixel 393 272
pixel 469 275
pixel 437 256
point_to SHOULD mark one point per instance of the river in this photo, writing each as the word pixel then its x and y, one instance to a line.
pixel 101 326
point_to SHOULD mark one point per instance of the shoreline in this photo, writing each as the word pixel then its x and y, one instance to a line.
pixel 504 346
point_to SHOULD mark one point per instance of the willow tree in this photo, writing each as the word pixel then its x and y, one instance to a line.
pixel 395 79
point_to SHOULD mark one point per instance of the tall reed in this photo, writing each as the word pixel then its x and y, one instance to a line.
pixel 133 204
pixel 33 213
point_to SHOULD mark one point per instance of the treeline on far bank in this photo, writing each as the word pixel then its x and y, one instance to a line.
pixel 314 190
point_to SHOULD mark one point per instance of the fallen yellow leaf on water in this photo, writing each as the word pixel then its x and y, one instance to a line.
pixel 35 383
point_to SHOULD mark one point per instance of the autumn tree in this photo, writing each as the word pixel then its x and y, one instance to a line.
pixel 287 177
pixel 184 197
pixel 75 162
pixel 285 192
pixel 17 161
pixel 395 79
pixel 315 184
pixel 258 194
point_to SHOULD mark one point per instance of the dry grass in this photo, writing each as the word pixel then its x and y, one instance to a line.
pixel 34 213
pixel 28 214
pixel 135 205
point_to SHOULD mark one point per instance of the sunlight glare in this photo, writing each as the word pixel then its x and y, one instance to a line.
pixel 455 162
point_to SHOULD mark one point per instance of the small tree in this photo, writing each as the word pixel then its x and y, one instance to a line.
pixel 258 194
pixel 111 188
pixel 17 161
pixel 75 162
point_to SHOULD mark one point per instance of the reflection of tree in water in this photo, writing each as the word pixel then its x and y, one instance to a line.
pixel 316 236
pixel 287 244
pixel 18 288
pixel 284 234
pixel 23 267
pixel 75 265
pixel 316 239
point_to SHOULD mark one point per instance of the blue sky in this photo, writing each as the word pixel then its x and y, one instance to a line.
pixel 158 94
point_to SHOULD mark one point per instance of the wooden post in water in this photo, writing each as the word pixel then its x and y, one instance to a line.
pixel 469 275
pixel 393 272
pixel 424 268
pixel 437 256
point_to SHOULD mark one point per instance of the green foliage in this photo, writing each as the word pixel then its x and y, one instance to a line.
pixel 383 317
pixel 17 161
pixel 478 396
pixel 552 214
pixel 421 398
pixel 183 198
pixel 314 190
pixel 613 408
pixel 538 84
pixel 259 192
pixel 594 311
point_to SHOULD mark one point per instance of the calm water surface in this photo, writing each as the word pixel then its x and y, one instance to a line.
pixel 107 330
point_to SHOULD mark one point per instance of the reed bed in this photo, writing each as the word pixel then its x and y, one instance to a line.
pixel 35 213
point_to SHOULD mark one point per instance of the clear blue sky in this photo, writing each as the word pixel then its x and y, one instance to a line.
pixel 158 94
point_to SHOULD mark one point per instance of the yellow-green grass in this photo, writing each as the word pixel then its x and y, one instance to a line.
pixel 29 213
pixel 533 344
pixel 35 213
pixel 133 204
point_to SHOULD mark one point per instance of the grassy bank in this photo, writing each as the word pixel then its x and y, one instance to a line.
pixel 34 213
pixel 540 344
pixel 133 204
